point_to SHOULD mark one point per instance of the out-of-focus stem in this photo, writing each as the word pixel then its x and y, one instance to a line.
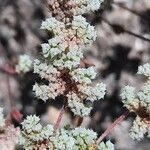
pixel 57 124
pixel 10 96
pixel 8 70
pixel 112 126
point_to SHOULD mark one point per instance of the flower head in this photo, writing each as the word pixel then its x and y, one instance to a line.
pixel 83 138
pixel 33 133
pixel 24 64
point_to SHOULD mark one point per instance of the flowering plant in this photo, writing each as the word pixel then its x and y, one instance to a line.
pixel 139 103
pixel 60 65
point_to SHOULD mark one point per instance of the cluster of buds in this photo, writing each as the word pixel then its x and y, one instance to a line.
pixel 139 103
pixel 63 10
pixel 36 137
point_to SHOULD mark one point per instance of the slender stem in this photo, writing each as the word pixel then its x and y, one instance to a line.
pixel 10 96
pixel 57 124
pixel 112 126
pixel 137 35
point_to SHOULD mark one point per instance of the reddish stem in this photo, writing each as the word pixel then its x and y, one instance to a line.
pixel 112 126
pixel 8 69
pixel 10 96
pixel 57 124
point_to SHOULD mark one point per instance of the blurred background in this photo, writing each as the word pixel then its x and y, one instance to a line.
pixel 123 43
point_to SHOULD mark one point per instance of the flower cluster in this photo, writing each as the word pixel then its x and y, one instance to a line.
pixel 24 64
pixel 139 103
pixel 35 136
pixel 63 140
pixel 139 129
pixel 51 24
pixel 83 6
pixel 62 55
pixel 144 70
pixel 85 138
pixel 76 34
pixel 8 134
pixel 9 137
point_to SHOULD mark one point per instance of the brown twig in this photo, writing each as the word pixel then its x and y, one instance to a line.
pixel 112 126
pixel 78 121
pixel 119 29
